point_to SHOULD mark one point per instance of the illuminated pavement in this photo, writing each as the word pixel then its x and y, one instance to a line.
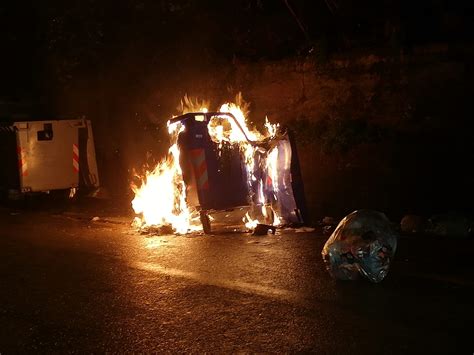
pixel 68 284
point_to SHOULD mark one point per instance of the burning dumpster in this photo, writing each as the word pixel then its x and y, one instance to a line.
pixel 217 164
pixel 41 156
pixel 215 178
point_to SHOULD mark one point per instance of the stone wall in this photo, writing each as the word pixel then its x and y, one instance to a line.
pixel 373 131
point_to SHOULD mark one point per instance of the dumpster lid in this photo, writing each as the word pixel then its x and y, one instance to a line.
pixel 206 116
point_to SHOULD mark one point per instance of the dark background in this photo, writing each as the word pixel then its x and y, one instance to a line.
pixel 126 64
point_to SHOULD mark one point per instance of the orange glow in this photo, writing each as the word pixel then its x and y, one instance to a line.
pixel 161 198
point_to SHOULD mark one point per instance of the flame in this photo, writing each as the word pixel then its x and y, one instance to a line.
pixel 189 104
pixel 249 222
pixel 161 198
pixel 272 168
pixel 276 218
pixel 271 128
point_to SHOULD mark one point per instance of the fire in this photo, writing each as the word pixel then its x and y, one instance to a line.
pixel 160 200
pixel 249 222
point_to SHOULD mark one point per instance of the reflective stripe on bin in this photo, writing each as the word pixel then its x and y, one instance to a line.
pixel 7 128
pixel 22 164
pixel 198 159
pixel 75 158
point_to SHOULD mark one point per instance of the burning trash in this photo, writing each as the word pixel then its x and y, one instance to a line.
pixel 363 244
pixel 216 163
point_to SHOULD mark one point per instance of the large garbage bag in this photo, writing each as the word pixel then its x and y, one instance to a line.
pixel 363 244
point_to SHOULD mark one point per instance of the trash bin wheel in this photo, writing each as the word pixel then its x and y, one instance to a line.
pixel 205 221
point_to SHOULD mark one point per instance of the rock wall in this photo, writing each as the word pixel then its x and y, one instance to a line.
pixel 373 131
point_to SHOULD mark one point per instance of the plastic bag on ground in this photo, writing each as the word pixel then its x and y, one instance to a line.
pixel 363 244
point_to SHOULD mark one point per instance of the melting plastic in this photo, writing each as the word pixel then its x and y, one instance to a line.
pixel 363 244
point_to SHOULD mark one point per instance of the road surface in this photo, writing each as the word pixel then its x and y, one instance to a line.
pixel 71 284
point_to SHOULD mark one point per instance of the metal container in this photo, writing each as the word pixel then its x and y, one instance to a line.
pixel 215 179
pixel 46 155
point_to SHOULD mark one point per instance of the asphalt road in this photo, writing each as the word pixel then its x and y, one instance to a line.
pixel 70 284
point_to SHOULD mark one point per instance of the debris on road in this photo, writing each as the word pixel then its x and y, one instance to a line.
pixel 363 244
pixel 95 219
pixel 411 223
pixel 449 225
pixel 263 229
pixel 157 230
pixel 305 230
pixel 300 229
pixel 329 221
pixel 328 224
